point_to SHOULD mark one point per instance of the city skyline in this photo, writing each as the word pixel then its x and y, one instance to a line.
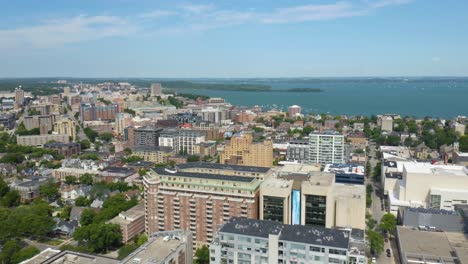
pixel 206 39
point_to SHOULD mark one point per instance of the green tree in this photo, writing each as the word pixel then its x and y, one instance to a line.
pixel 91 134
pixel 87 179
pixel 49 189
pixel 128 151
pixel 202 255
pixel 87 216
pixel 11 199
pixel 71 179
pixel 193 158
pixel 99 237
pixel 25 254
pixel 65 213
pixel 463 143
pixel 377 172
pixel 388 222
pixel 82 201
pixel 124 251
pixel 13 158
pixel 376 242
pixel 4 189
pixel 10 248
pixel 85 144
pixel 141 239
pixel 106 136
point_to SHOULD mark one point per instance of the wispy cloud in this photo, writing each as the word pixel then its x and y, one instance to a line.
pixel 385 3
pixel 63 31
pixel 156 14
pixel 183 18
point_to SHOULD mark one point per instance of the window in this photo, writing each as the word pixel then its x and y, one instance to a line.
pixel 337 252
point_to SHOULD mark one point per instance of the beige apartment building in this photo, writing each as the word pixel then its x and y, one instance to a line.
pixel 197 202
pixel 40 140
pixel 310 197
pixel 131 222
pixel 156 154
pixel 241 150
pixel 65 125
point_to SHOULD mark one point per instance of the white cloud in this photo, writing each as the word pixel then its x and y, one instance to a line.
pixel 63 31
pixel 311 13
pixel 158 14
pixel 385 3
pixel 197 9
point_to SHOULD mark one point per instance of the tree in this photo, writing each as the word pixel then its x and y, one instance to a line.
pixel 193 158
pixel 128 151
pixel 91 134
pixel 4 189
pixel 11 199
pixel 132 159
pixel 141 239
pixel 85 144
pixel 70 180
pixel 82 201
pixel 65 214
pixel 377 172
pixel 369 190
pixel 106 136
pixel 49 189
pixel 87 216
pixel 99 237
pixel 25 254
pixel 126 250
pixel 87 179
pixel 14 158
pixel 202 255
pixel 10 248
pixel 388 222
pixel 376 242
pixel 464 143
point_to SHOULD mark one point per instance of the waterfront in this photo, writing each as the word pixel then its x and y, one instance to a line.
pixel 436 97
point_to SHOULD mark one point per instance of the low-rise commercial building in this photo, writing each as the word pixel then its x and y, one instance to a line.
pixel 157 155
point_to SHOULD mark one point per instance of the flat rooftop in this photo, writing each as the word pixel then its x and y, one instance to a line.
pixel 157 249
pixel 130 215
pixel 429 245
pixel 217 166
pixel 70 257
pixel 294 233
pixel 442 170
pixel 165 172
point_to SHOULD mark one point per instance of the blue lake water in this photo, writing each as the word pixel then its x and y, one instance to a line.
pixel 419 97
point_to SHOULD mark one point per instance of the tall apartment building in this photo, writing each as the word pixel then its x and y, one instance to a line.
pixel 65 125
pixel 298 150
pixel 122 120
pixel 37 121
pixel 146 136
pixel 213 114
pixel 156 89
pixel 326 147
pixel 91 112
pixel 197 202
pixel 265 242
pixel 40 140
pixel 301 195
pixel 293 110
pixel 19 96
pixel 182 140
pixel 241 150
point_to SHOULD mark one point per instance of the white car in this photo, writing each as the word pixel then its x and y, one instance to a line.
pixel 374 260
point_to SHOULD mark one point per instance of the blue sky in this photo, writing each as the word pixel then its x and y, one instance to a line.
pixel 257 38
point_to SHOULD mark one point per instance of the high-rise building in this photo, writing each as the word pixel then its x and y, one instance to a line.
pixel 182 140
pixel 241 150
pixel 65 125
pixel 265 242
pixel 146 136
pixel 156 89
pixel 19 96
pixel 298 151
pixel 302 195
pixel 293 110
pixel 197 201
pixel 91 112
pixel 122 120
pixel 326 147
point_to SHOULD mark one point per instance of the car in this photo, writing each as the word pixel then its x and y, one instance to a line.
pixel 374 260
pixel 388 251
pixel 389 254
